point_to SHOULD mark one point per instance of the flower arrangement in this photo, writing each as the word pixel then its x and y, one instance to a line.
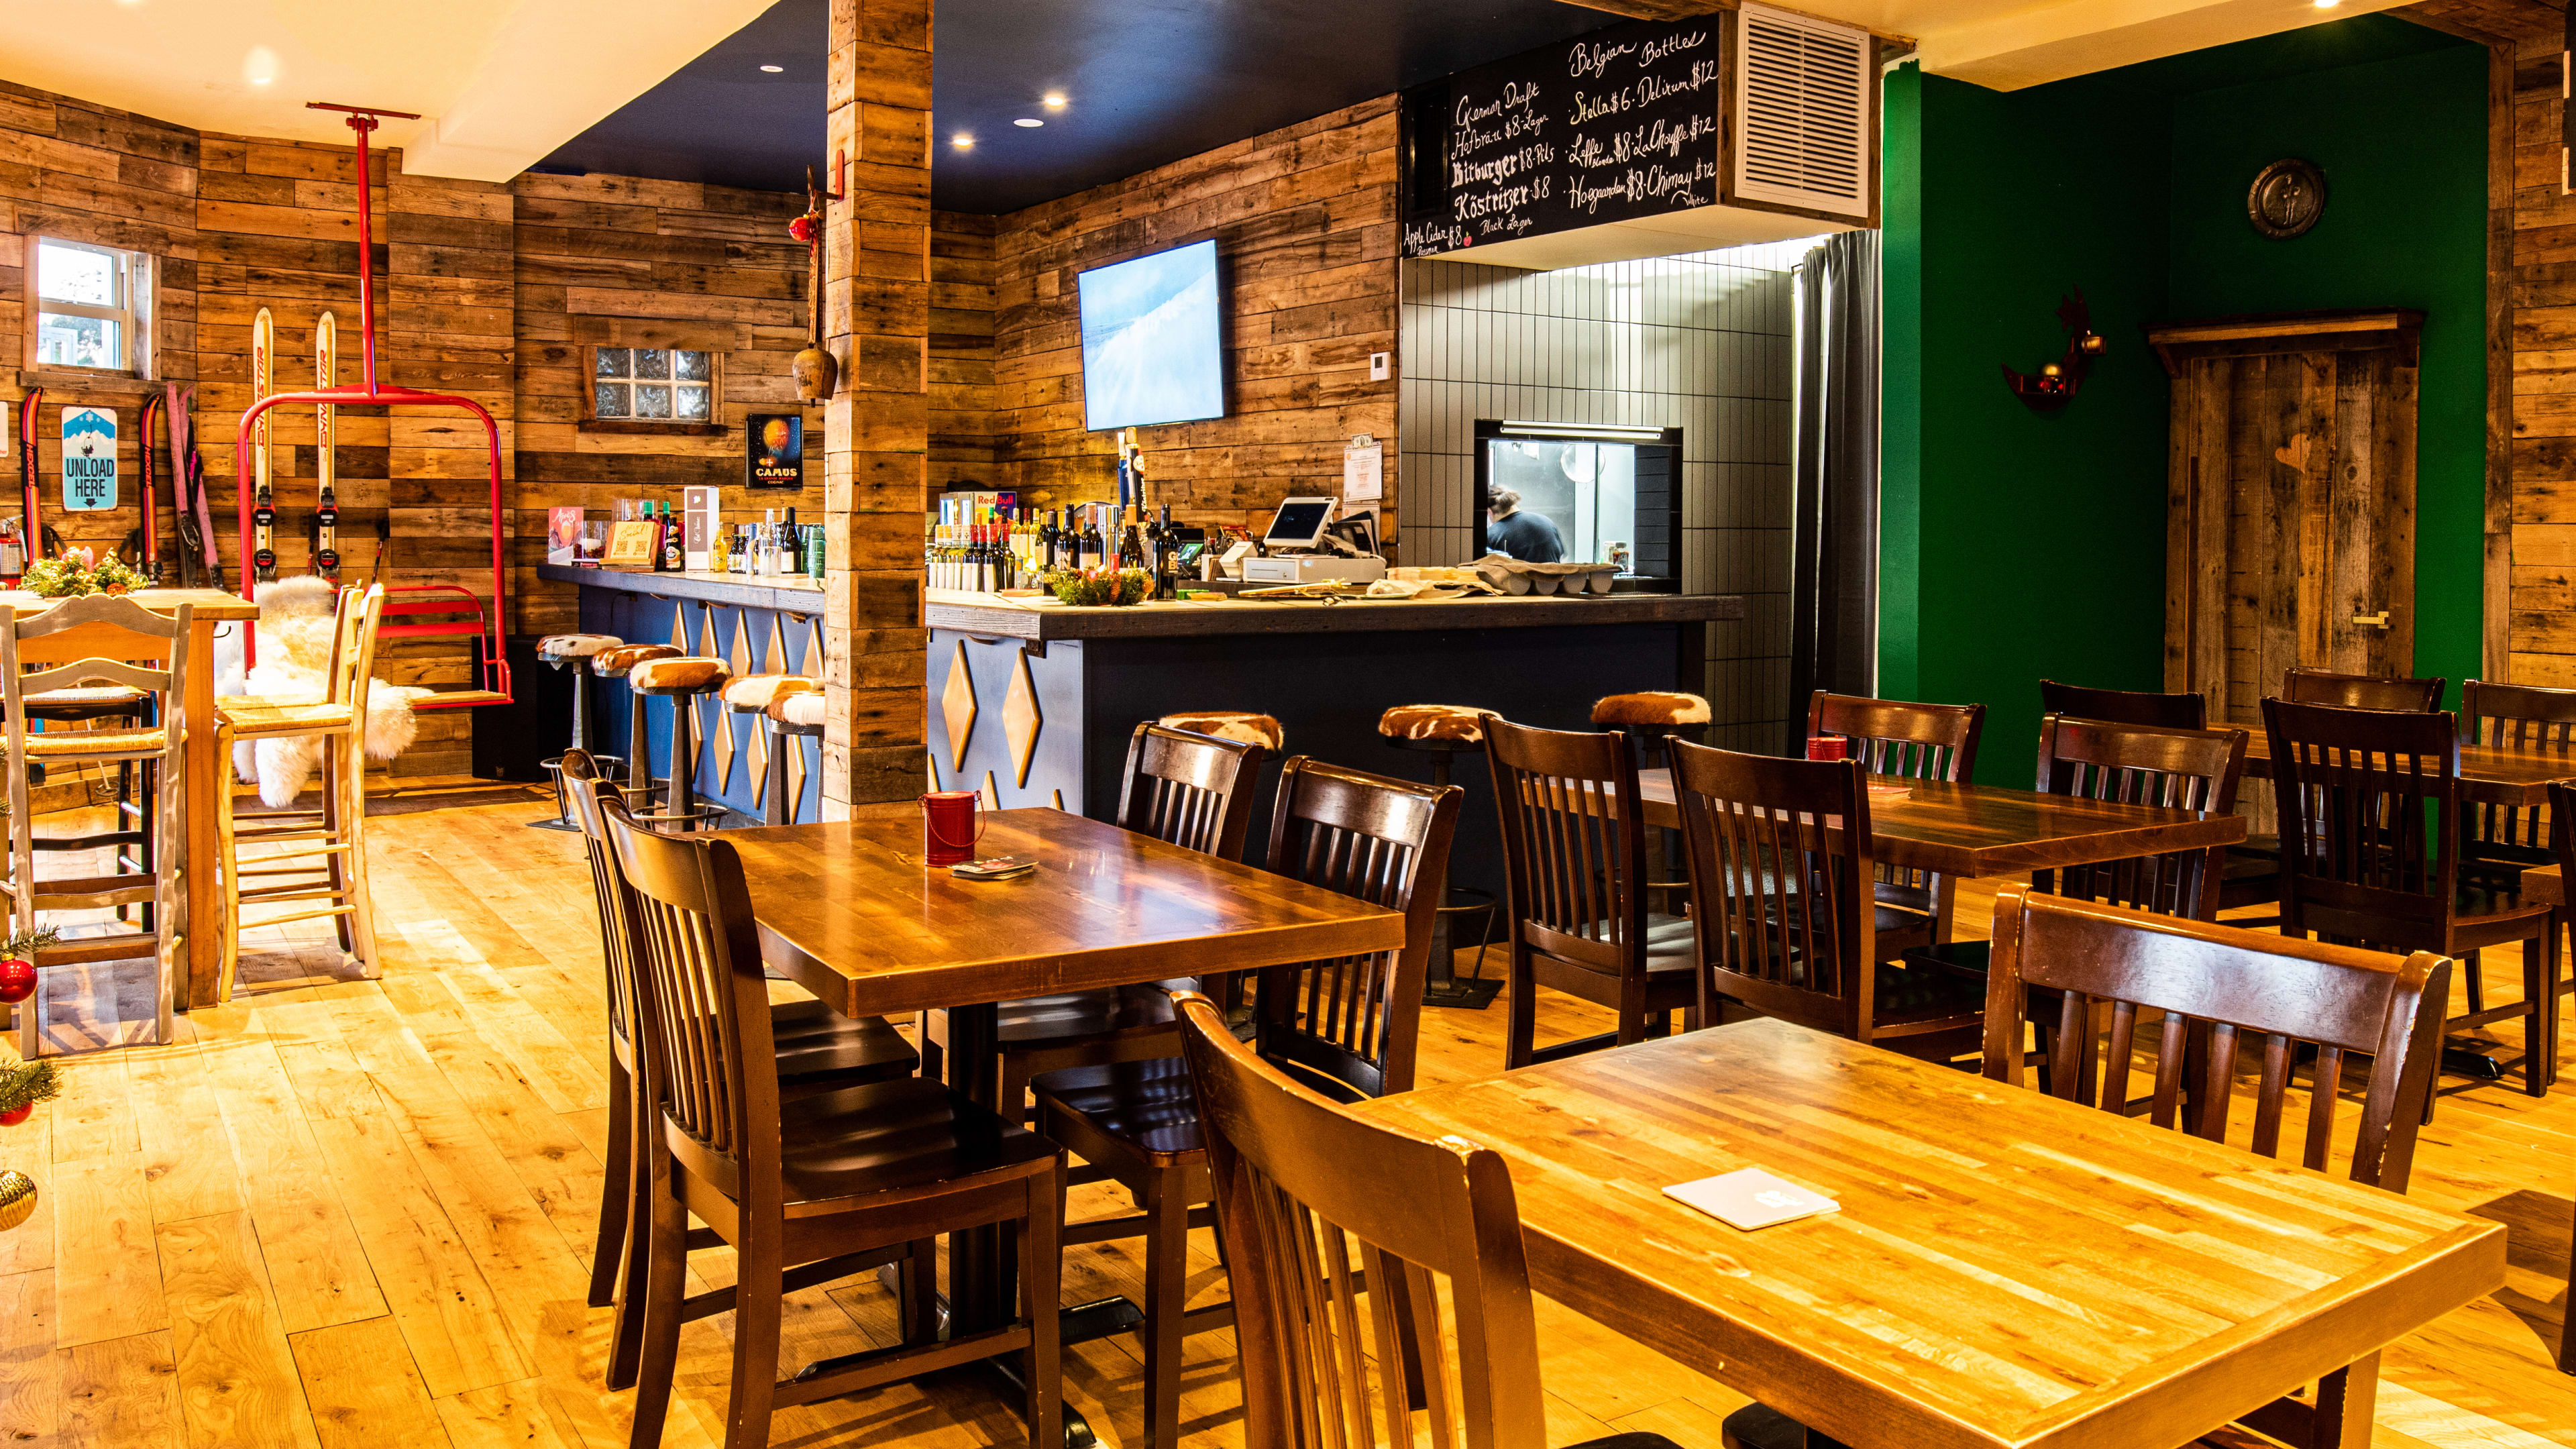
pixel 73 575
pixel 1103 587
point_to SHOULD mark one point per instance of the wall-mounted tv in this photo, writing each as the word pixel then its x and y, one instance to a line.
pixel 1150 346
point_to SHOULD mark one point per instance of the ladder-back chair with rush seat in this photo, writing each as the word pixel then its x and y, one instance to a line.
pixel 1905 740
pixel 1346 1027
pixel 1782 888
pixel 818 1050
pixel 311 862
pixel 838 1183
pixel 1182 788
pixel 2124 706
pixel 101 639
pixel 1575 869
pixel 2281 998
pixel 2370 854
pixel 1427 1212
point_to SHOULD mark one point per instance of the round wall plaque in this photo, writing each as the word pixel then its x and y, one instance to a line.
pixel 2286 199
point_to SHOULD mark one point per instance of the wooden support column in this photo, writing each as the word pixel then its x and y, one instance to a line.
pixel 876 321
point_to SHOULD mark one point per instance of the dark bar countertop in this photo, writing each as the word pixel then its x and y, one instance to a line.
pixel 992 616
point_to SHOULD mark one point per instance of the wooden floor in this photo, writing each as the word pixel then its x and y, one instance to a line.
pixel 358 1213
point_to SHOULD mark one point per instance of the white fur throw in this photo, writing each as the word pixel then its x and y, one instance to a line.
pixel 294 639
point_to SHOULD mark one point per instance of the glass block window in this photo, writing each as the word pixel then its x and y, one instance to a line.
pixel 652 384
pixel 92 306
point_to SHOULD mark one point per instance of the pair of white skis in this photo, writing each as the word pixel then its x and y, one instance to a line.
pixel 326 508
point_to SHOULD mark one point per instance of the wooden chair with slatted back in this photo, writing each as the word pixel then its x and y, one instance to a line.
pixel 1782 889
pixel 2124 706
pixel 2502 841
pixel 1185 789
pixel 1575 871
pixel 2243 990
pixel 105 640
pixel 818 1050
pixel 1908 741
pixel 835 1184
pixel 2370 852
pixel 2361 691
pixel 1344 1027
pixel 1311 1325
pixel 2562 808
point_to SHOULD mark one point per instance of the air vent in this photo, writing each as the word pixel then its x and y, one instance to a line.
pixel 1802 112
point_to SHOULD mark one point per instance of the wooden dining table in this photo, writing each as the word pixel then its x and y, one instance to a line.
pixel 1980 831
pixel 2005 1270
pixel 850 911
pixel 211 612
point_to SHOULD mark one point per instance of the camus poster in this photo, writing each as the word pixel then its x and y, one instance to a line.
pixel 776 442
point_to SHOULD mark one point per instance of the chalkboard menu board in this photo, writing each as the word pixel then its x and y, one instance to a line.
pixel 1615 125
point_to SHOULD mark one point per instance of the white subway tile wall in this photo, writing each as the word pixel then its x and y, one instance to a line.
pixel 1699 342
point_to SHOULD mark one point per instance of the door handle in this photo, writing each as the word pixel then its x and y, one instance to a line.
pixel 2376 621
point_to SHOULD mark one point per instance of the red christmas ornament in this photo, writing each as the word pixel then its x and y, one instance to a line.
pixel 802 228
pixel 17 1114
pixel 17 980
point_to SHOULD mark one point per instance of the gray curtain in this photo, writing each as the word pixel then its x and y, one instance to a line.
pixel 1833 616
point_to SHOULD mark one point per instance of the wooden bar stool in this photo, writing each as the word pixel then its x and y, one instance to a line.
pixel 575 650
pixel 618 662
pixel 792 720
pixel 121 631
pixel 684 680
pixel 753 694
pixel 311 860
pixel 1445 731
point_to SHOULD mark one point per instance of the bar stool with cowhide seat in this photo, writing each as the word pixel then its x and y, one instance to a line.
pixel 617 662
pixel 1242 726
pixel 793 719
pixel 684 680
pixel 754 694
pixel 1445 731
pixel 1651 717
pixel 575 651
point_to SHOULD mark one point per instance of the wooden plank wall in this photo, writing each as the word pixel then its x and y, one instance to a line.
pixel 2531 396
pixel 964 401
pixel 877 295
pixel 93 174
pixel 619 261
pixel 1305 219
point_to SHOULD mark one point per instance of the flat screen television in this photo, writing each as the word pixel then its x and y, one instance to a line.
pixel 1150 345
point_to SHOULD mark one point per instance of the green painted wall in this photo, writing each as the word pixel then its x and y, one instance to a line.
pixel 2019 546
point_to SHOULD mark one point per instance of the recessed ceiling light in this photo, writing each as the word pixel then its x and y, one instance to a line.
pixel 773 69
pixel 1055 100
pixel 259 65
pixel 2328 4
pixel 961 141
pixel 1028 121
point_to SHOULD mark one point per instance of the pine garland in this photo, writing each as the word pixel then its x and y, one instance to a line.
pixel 27 1083
pixel 23 947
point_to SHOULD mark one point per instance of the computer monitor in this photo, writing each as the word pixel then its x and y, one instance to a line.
pixel 1299 523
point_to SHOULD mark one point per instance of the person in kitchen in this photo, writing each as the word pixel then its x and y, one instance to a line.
pixel 1529 537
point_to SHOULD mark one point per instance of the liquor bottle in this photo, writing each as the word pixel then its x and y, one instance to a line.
pixel 1047 535
pixel 1095 549
pixel 1126 483
pixel 719 556
pixel 675 557
pixel 1131 548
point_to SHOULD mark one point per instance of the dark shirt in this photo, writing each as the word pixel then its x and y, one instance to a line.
pixel 1529 537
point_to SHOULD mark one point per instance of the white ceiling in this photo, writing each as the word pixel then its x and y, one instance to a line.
pixel 499 83
pixel 2010 44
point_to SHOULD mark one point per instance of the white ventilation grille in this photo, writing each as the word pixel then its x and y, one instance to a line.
pixel 1802 112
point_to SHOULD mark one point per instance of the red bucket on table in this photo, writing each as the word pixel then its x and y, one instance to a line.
pixel 1828 747
pixel 949 826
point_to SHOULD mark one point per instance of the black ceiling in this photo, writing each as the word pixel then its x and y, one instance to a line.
pixel 1146 82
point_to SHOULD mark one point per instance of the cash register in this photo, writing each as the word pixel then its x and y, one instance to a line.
pixel 1301 546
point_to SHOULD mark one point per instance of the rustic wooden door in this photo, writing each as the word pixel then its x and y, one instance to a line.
pixel 2290 528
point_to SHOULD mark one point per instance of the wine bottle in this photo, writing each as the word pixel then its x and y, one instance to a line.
pixel 1095 547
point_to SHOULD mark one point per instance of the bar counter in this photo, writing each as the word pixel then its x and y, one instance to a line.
pixel 993 616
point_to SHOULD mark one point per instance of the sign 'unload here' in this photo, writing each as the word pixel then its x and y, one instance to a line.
pixel 89 459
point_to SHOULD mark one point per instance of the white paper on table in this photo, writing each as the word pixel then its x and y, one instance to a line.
pixel 1750 1198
